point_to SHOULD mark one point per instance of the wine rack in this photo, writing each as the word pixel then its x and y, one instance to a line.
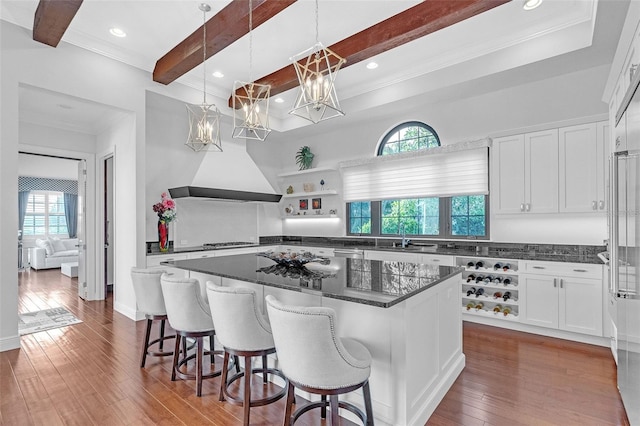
pixel 484 284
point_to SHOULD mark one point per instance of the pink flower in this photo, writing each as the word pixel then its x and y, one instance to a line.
pixel 168 203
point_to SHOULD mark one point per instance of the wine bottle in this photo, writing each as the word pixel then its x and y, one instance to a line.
pixel 488 279
pixel 497 308
pixel 470 305
pixel 497 266
pixel 506 281
pixel 479 292
pixel 497 295
pixel 471 291
pixel 506 311
pixel 479 264
pixel 506 296
pixel 479 306
pixel 497 280
pixel 506 267
pixel 471 265
pixel 479 278
pixel 471 277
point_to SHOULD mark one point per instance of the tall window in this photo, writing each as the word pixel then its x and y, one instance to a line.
pixel 441 217
pixel 45 214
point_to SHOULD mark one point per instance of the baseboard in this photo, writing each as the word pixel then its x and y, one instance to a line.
pixel 432 402
pixel 128 312
pixel 9 343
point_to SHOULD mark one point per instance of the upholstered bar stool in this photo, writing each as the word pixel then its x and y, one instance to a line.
pixel 317 361
pixel 146 286
pixel 243 331
pixel 189 316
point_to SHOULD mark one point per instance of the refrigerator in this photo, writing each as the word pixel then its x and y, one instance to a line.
pixel 625 250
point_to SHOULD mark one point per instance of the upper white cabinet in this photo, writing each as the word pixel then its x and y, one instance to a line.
pixel 583 167
pixel 526 173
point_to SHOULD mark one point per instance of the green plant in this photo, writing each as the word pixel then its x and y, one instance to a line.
pixel 304 157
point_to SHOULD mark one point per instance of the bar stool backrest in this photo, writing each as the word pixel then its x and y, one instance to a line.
pixel 146 286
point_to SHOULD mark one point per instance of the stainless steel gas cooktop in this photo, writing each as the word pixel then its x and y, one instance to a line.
pixel 228 244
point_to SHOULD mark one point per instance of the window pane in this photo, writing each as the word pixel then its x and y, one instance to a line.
pixel 476 205
pixel 355 226
pixel 477 226
pixel 355 210
pixel 420 216
pixel 459 206
pixel 366 209
pixel 468 215
pixel 389 225
pixel 407 137
pixel 459 225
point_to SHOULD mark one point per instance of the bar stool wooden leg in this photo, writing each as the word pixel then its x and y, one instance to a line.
pixel 247 389
pixel 333 402
pixel 265 376
pixel 161 343
pixel 224 376
pixel 289 407
pixel 176 353
pixel 323 409
pixel 200 350
pixel 366 391
pixel 145 345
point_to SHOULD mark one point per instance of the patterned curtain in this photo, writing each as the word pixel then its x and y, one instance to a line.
pixel 23 199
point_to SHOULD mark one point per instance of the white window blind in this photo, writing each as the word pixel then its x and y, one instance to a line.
pixel 441 172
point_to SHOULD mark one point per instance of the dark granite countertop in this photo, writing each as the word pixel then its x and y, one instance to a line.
pixel 369 282
pixel 479 249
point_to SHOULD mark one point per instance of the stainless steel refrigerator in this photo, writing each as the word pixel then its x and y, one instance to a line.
pixel 625 250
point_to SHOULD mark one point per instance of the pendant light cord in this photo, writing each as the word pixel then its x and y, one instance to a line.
pixel 250 41
pixel 317 19
pixel 204 56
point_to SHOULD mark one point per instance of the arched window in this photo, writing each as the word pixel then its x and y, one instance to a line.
pixel 463 216
pixel 409 136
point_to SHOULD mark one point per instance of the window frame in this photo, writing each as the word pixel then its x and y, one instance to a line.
pixel 46 215
pixel 390 133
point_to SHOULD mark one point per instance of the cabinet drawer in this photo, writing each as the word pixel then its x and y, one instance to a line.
pixel 437 259
pixel 585 270
pixel 153 261
pixel 201 254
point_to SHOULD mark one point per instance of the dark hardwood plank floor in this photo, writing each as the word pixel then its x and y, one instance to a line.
pixel 88 374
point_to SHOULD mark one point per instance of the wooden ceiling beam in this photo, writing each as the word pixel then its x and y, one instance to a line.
pixel 223 29
pixel 52 19
pixel 425 18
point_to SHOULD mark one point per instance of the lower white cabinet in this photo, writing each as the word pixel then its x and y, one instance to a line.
pixel 563 296
pixel 153 262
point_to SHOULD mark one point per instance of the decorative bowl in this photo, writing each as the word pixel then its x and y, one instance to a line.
pixel 292 259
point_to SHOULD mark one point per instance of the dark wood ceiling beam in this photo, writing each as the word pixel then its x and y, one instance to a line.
pixel 223 29
pixel 52 19
pixel 425 18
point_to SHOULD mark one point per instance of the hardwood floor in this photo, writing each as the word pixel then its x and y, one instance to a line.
pixel 88 374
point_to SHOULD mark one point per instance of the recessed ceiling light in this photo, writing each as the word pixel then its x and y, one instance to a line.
pixel 278 100
pixel 218 74
pixel 531 4
pixel 372 65
pixel 117 32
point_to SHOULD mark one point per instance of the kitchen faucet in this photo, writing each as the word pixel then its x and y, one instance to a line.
pixel 405 241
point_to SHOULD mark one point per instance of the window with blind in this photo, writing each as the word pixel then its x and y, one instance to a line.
pixel 44 215
pixel 456 183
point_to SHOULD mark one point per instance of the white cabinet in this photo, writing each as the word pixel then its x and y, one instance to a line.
pixel 565 296
pixel 436 259
pixel 583 167
pixel 153 262
pixel 391 256
pixel 526 173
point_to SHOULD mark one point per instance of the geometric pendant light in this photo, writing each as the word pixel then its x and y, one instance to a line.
pixel 317 69
pixel 204 119
pixel 250 101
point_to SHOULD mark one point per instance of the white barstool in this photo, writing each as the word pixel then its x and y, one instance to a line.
pixel 317 361
pixel 243 331
pixel 189 316
pixel 146 286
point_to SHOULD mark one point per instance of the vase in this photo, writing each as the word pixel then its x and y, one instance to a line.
pixel 163 235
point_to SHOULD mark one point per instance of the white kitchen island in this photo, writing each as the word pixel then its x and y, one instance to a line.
pixel 407 314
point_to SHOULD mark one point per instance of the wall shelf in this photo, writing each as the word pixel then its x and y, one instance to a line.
pixel 303 172
pixel 311 216
pixel 310 194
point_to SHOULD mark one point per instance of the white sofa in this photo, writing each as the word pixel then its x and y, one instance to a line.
pixel 53 252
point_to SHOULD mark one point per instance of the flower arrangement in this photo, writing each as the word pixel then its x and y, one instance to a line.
pixel 166 208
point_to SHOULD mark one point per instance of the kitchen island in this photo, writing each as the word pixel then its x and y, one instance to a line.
pixel 407 314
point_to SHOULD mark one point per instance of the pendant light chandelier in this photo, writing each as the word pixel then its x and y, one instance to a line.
pixel 204 120
pixel 251 101
pixel 317 69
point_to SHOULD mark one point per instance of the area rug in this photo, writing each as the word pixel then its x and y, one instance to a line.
pixel 32 322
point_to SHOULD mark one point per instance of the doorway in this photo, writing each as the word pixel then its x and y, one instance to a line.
pixel 108 199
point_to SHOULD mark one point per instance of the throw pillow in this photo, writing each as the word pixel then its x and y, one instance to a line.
pixel 48 247
pixel 57 244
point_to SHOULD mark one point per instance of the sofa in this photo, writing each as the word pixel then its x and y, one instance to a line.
pixel 53 252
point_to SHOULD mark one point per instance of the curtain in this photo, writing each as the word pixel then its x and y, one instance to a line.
pixel 71 213
pixel 23 199
pixel 437 173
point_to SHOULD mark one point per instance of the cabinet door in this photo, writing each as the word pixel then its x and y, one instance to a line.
pixel 541 171
pixel 390 256
pixel 603 142
pixel 508 170
pixel 578 168
pixel 539 300
pixel 581 305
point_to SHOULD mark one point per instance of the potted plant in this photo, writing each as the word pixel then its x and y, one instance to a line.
pixel 304 158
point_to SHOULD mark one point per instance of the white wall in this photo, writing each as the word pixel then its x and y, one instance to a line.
pixel 47 167
pixel 565 97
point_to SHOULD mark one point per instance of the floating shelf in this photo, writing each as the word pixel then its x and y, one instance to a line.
pixel 311 216
pixel 303 172
pixel 310 194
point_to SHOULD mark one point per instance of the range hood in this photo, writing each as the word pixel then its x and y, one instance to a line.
pixel 223 194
